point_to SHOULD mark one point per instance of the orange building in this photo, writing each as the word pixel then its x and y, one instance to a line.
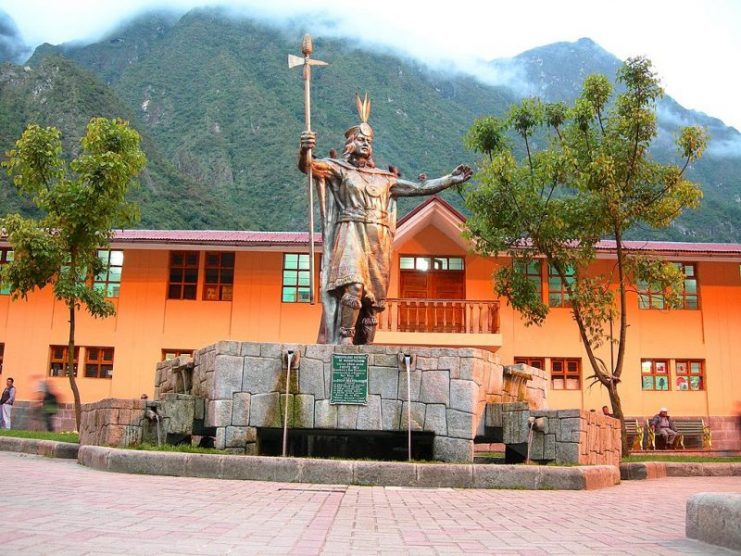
pixel 176 291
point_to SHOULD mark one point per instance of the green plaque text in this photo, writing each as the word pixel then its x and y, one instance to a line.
pixel 349 378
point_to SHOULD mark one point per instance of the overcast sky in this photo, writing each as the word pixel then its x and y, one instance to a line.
pixel 695 45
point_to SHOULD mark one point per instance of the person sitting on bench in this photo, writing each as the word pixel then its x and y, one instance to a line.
pixel 663 425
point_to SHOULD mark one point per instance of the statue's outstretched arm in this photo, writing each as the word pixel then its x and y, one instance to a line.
pixel 403 188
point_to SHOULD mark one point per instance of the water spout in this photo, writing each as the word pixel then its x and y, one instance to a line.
pixel 408 364
pixel 153 415
pixel 289 357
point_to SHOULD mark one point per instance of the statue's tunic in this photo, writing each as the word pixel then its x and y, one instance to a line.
pixel 364 223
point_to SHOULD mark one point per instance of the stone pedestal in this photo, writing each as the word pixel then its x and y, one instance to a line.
pixel 243 387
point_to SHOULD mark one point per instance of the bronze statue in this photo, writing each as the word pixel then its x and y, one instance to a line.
pixel 357 203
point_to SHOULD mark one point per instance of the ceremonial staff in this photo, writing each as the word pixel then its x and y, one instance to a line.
pixel 307 62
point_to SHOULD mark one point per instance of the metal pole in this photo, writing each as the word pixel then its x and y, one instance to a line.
pixel 294 61
pixel 408 361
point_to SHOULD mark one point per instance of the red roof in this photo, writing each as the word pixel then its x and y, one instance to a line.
pixel 674 247
pixel 228 237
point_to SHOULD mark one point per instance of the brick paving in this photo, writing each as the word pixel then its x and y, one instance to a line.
pixel 58 507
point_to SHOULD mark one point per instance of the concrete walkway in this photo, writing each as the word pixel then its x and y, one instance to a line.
pixel 58 507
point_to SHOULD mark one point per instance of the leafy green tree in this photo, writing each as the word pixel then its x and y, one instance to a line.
pixel 81 201
pixel 584 174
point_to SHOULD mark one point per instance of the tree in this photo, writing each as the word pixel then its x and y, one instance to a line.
pixel 585 174
pixel 81 202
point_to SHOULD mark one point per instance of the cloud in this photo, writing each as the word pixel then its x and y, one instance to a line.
pixel 12 47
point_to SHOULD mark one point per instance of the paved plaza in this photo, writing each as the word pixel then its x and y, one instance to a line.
pixel 52 506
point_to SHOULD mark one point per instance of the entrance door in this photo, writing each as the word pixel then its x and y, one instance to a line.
pixel 440 282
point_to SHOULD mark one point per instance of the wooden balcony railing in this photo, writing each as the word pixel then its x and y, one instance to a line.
pixel 459 316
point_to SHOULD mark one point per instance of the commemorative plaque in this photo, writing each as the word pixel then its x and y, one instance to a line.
pixel 349 383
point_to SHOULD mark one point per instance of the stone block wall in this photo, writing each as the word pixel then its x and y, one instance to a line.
pixel 576 436
pixel 113 422
pixel 243 385
pixel 26 416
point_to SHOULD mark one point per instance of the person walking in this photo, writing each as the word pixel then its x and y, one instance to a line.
pixel 6 403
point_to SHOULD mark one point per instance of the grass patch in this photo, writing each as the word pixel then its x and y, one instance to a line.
pixel 633 458
pixel 72 437
pixel 182 448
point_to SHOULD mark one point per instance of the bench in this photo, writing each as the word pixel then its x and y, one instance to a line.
pixel 686 428
pixel 635 433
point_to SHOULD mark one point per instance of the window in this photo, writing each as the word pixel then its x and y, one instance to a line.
pixel 58 360
pixel 183 275
pixel 169 354
pixel 296 278
pixel 566 374
pixel 219 278
pixel 109 279
pixel 2 356
pixel 654 374
pixel 431 263
pixel 690 374
pixel 650 296
pixel 537 362
pixel 558 295
pixel 689 289
pixel 533 272
pixel 99 362
pixel 6 256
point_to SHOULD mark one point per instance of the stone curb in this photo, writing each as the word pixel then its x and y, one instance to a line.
pixel 334 472
pixel 48 448
pixel 639 471
pixel 715 518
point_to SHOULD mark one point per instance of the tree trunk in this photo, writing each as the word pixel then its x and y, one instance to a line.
pixel 71 364
pixel 617 412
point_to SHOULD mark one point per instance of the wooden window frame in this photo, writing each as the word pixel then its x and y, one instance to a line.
pixel 534 277
pixel 183 284
pixel 686 297
pixel 99 362
pixel 530 360
pixel 6 256
pixel 565 374
pixel 650 297
pixel 683 369
pixel 654 374
pixel 297 288
pixel 221 289
pixel 437 263
pixel 176 353
pixel 62 361
pixel 563 296
pixel 103 280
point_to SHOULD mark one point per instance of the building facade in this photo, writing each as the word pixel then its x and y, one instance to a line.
pixel 176 291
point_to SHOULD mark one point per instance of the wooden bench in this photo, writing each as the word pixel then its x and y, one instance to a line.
pixel 634 432
pixel 686 428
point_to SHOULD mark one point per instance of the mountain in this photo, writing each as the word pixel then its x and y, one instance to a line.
pixel 221 114
pixel 556 72
pixel 57 92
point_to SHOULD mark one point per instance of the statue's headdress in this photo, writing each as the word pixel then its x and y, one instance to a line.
pixel 364 108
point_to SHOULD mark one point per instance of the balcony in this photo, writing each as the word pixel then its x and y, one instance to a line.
pixel 443 322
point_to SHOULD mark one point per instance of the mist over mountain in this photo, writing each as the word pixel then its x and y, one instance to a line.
pixel 12 47
pixel 221 114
